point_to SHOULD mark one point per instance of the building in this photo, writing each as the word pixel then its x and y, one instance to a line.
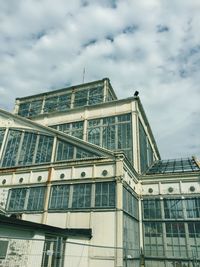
pixel 80 158
pixel 23 243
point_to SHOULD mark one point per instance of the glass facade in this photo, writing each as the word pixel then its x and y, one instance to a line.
pixel 63 197
pixel 24 148
pixel 76 97
pixel 171 228
pixel 114 133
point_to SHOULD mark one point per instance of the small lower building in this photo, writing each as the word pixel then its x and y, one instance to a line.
pixel 25 243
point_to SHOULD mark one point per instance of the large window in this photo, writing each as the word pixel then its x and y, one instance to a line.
pixel 153 239
pixel 21 199
pixel 67 151
pixel 82 196
pixel 105 195
pixel 89 96
pixel 131 242
pixel 23 148
pixel 113 133
pixel 57 103
pixel 151 209
pixel 31 108
pixel 176 241
pixel 59 198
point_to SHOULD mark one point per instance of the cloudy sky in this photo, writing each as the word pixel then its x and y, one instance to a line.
pixel 152 46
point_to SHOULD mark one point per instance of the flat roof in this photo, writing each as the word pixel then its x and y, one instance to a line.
pixel 27 225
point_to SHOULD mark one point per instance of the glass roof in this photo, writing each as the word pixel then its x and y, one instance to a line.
pixel 173 166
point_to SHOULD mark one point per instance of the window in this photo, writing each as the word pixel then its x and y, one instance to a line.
pixel 36 198
pixel 82 196
pixel 26 199
pixel 89 96
pixel 175 230
pixel 173 208
pixel 176 241
pixel 114 133
pixel 30 108
pixel 105 195
pixel 73 128
pixel 24 148
pixel 12 147
pixel 95 95
pixel 67 151
pixel 2 132
pixel 153 239
pixel 3 248
pixel 17 199
pixel 28 148
pixel 130 203
pixel 57 103
pixel 193 207
pixel 151 209
pixel 143 148
pixel 194 230
pixel 59 198
pixel 44 150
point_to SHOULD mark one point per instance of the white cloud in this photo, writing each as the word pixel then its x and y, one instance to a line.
pixel 152 46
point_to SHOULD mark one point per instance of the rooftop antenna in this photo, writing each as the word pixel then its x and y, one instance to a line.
pixel 83 74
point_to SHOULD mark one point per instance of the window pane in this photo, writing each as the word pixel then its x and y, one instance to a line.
pixel 173 208
pixel 24 109
pixel 36 198
pixel 105 194
pixel 59 197
pixel 12 148
pixel 151 209
pixel 81 196
pixel 193 207
pixel 95 95
pixel 80 98
pixel 44 150
pixel 17 199
pixel 35 107
pixel 65 151
pixel 2 132
pixel 27 149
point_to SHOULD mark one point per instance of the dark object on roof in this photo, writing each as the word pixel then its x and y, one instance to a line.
pixel 173 166
pixel 68 232
pixel 136 93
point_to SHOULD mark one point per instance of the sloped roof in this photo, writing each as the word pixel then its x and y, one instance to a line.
pixel 173 166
